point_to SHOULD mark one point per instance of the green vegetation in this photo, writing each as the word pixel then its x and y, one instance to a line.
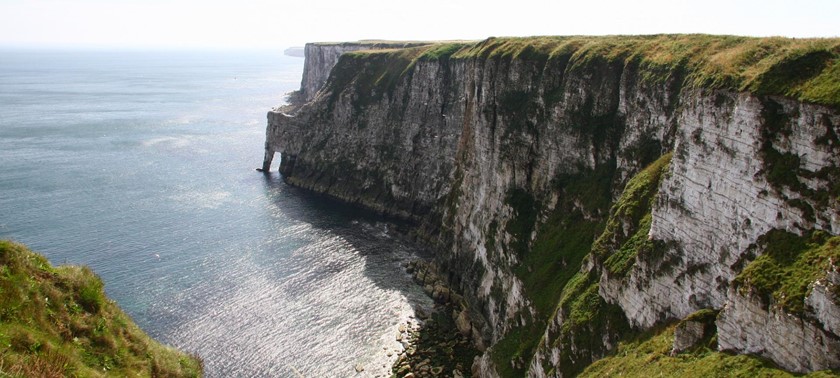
pixel 648 355
pixel 371 74
pixel 705 315
pixel 631 212
pixel 57 322
pixel 784 170
pixel 548 264
pixel 550 268
pixel 804 69
pixel 442 51
pixel 588 321
pixel 561 245
pixel 512 353
pixel 789 263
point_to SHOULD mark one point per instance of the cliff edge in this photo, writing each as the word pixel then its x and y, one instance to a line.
pixel 57 322
pixel 581 191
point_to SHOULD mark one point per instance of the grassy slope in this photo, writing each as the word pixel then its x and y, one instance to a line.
pixel 648 355
pixel 804 69
pixel 56 321
pixel 788 265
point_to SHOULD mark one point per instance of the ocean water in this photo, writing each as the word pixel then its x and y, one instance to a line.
pixel 140 164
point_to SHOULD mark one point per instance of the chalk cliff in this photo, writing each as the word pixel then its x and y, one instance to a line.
pixel 579 190
pixel 321 57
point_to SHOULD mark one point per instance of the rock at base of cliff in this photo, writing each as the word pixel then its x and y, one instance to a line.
pixel 694 330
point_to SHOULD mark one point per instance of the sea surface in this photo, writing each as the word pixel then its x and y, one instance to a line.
pixel 140 164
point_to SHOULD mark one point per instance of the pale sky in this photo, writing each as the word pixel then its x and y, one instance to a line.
pixel 273 24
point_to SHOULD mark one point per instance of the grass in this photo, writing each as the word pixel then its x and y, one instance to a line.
pixel 550 268
pixel 588 321
pixel 631 214
pixel 57 321
pixel 788 265
pixel 442 51
pixel 512 353
pixel 370 74
pixel 705 315
pixel 648 355
pixel 804 69
pixel 554 257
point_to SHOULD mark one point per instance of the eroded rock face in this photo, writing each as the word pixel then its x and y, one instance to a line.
pixel 687 335
pixel 747 325
pixel 717 200
pixel 456 144
pixel 363 157
pixel 824 301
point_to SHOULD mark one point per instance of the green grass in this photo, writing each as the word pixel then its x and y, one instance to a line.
pixel 588 321
pixel 561 244
pixel 370 75
pixel 550 268
pixel 512 353
pixel 632 214
pixel 788 265
pixel 648 355
pixel 804 69
pixel 705 315
pixel 554 257
pixel 58 322
pixel 442 51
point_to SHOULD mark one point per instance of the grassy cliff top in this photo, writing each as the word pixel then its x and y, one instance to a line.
pixel 804 69
pixel 377 43
pixel 56 322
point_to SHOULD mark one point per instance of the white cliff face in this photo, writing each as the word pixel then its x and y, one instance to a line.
pixel 713 206
pixel 745 325
pixel 709 209
pixel 448 143
pixel 825 302
pixel 363 158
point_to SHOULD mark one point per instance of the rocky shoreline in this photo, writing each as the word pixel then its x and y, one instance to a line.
pixel 440 343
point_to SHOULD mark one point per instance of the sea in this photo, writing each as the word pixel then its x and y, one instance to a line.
pixel 141 165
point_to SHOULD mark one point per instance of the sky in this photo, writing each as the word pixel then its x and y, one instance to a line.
pixel 272 24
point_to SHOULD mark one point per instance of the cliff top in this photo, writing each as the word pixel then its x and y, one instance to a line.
pixel 376 43
pixel 57 321
pixel 804 69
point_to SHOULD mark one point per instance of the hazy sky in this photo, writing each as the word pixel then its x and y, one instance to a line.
pixel 264 23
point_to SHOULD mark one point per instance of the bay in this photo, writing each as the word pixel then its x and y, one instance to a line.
pixel 140 164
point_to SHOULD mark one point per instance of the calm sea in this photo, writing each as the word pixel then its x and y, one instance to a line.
pixel 141 166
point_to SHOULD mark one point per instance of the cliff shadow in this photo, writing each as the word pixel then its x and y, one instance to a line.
pixel 381 241
pixel 430 336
